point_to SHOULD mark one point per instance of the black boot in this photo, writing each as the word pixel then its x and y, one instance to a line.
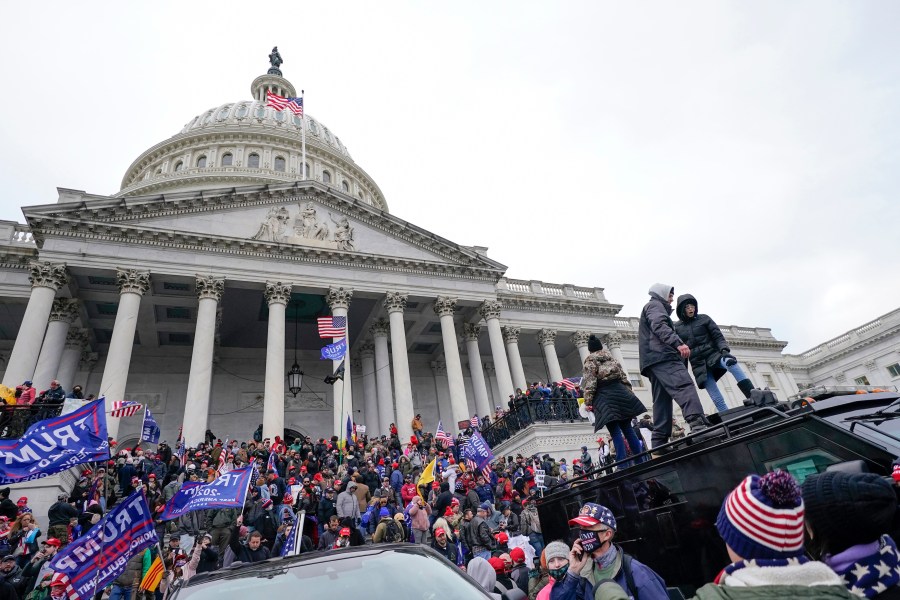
pixel 746 386
pixel 698 423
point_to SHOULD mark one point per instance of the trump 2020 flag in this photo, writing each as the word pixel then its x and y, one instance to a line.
pixel 335 351
pixel 228 490
pixel 96 559
pixel 150 428
pixel 477 450
pixel 55 445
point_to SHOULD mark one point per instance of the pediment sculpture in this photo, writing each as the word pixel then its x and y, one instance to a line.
pixel 308 228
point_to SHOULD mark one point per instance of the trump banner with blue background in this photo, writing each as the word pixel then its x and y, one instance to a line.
pixel 335 351
pixel 478 451
pixel 97 558
pixel 150 428
pixel 55 445
pixel 228 490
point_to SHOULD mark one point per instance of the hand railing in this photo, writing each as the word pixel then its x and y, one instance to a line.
pixel 528 411
pixel 15 419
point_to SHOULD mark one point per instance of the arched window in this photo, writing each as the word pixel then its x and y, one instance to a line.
pixel 279 164
pixel 201 162
pixel 227 159
pixel 345 186
pixel 241 111
pixel 253 161
pixel 179 165
pixel 326 177
pixel 308 171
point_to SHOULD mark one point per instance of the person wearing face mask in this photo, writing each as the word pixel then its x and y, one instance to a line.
pixel 595 559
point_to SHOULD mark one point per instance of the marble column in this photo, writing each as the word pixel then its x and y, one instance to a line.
pixel 476 371
pixel 547 339
pixel 395 303
pixel 45 279
pixel 277 295
pixel 76 342
pixel 380 330
pixel 133 284
pixel 491 373
pixel 370 388
pixel 339 301
pixel 580 339
pixel 62 315
pixel 196 403
pixel 511 339
pixel 614 345
pixel 442 394
pixel 444 307
pixel 490 310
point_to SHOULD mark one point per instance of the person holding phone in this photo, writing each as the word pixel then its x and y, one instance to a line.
pixel 595 559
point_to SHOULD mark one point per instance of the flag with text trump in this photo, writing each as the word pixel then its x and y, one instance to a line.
pixel 228 490
pixel 96 559
pixel 477 451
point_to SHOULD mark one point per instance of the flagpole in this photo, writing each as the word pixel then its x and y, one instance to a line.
pixel 303 140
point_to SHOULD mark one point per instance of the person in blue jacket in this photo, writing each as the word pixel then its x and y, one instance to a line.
pixel 594 559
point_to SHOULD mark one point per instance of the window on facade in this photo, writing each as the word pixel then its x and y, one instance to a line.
pixel 241 111
pixel 326 177
pixel 201 162
pixel 862 380
pixel 279 164
pixel 345 186
pixel 894 370
pixel 636 380
pixel 770 381
pixel 253 161
pixel 227 159
pixel 308 171
pixel 179 165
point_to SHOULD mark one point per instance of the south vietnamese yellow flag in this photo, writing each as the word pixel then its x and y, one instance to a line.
pixel 426 477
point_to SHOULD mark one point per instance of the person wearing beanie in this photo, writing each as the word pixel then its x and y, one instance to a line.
pixel 594 558
pixel 555 560
pixel 662 355
pixel 607 391
pixel 848 516
pixel 388 530
pixel 710 356
pixel 761 523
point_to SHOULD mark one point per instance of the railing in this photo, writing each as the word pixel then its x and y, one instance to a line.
pixel 15 420
pixel 528 411
pixel 533 287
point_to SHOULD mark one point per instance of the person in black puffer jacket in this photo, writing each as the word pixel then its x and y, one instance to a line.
pixel 711 357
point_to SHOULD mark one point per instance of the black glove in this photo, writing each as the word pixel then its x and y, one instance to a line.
pixel 730 360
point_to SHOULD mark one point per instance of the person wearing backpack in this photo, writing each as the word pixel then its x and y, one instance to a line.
pixel 388 530
pixel 595 559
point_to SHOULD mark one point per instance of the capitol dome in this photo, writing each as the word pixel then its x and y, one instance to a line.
pixel 248 143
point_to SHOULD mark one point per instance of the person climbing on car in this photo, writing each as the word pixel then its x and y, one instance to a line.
pixel 662 358
pixel 711 357
pixel 594 559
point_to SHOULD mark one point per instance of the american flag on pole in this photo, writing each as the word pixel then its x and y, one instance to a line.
pixel 570 383
pixel 271 464
pixel 332 327
pixel 472 466
pixel 181 452
pixel 295 105
pixel 125 408
pixel 442 436
pixel 474 421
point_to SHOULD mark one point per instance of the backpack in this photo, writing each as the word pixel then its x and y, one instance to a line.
pixel 392 532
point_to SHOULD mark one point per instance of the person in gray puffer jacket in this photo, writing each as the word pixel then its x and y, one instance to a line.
pixel 663 356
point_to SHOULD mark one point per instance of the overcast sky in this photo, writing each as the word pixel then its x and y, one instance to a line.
pixel 746 152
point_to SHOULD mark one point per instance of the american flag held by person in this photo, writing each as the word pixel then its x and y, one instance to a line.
pixel 295 105
pixel 442 436
pixel 570 383
pixel 125 408
pixel 332 327
pixel 474 422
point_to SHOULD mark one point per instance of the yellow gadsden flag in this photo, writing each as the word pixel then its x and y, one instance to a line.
pixel 427 476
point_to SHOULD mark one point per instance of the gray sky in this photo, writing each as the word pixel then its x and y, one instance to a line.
pixel 745 152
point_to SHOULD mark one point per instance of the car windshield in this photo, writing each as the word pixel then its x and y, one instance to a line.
pixel 395 575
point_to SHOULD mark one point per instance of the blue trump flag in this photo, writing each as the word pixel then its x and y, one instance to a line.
pixel 335 351
pixel 97 558
pixel 150 428
pixel 477 450
pixel 228 490
pixel 55 445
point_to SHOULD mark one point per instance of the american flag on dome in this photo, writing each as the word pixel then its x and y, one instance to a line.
pixel 474 421
pixel 125 408
pixel 570 383
pixel 295 105
pixel 442 436
pixel 332 327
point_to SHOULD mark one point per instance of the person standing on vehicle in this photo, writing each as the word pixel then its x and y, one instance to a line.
pixel 662 359
pixel 711 357
pixel 594 559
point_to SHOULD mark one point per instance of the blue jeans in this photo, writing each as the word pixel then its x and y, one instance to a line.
pixel 486 555
pixel 119 592
pixel 621 431
pixel 713 389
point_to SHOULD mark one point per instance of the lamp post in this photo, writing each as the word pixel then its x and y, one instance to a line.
pixel 295 375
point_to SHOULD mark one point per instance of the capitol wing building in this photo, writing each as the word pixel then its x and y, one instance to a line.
pixel 197 288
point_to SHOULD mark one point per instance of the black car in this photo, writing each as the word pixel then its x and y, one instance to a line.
pixel 394 571
pixel 666 508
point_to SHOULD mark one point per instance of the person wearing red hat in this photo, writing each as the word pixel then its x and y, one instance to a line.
pixel 343 540
pixel 444 546
pixel 519 572
pixel 38 566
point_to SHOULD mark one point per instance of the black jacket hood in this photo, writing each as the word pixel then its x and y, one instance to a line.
pixel 680 304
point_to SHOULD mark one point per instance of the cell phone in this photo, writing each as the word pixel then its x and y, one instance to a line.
pixel 579 555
